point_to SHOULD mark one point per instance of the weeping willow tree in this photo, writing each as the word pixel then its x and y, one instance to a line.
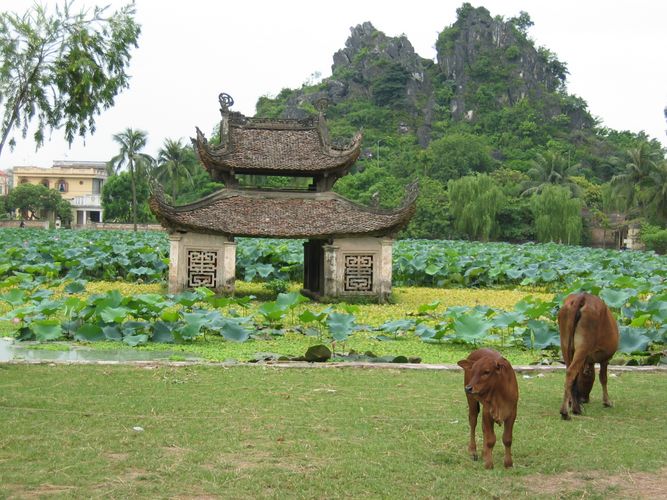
pixel 557 216
pixel 474 202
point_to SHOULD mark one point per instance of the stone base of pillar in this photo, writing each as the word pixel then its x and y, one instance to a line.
pixel 201 260
pixel 358 268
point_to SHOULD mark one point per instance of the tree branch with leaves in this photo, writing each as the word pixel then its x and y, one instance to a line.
pixel 62 69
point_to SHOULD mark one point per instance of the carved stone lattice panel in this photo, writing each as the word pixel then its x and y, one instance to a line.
pixel 358 273
pixel 202 268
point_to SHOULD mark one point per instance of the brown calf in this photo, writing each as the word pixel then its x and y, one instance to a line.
pixel 489 379
pixel 588 335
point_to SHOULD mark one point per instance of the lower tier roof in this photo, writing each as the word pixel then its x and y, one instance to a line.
pixel 281 214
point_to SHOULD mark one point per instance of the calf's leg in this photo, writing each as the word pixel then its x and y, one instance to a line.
pixel 489 438
pixel 507 441
pixel 473 412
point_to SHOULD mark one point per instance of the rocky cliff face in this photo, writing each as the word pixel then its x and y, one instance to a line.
pixel 383 69
pixel 367 55
pixel 483 64
pixel 491 56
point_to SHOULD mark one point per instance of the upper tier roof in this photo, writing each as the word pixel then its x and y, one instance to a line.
pixel 280 214
pixel 263 146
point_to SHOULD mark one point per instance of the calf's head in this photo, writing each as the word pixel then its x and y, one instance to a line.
pixel 483 375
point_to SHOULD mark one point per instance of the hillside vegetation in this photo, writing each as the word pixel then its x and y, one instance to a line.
pixel 501 149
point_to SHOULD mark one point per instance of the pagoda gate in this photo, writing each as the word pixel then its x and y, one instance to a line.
pixel 348 248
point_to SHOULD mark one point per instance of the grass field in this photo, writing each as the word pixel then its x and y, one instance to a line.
pixel 262 432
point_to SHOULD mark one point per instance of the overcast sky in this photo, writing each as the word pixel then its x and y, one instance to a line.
pixel 190 51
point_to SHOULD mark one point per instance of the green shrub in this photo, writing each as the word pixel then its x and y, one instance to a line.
pixel 278 286
pixel 655 239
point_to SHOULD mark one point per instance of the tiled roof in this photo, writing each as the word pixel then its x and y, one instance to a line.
pixel 279 147
pixel 281 214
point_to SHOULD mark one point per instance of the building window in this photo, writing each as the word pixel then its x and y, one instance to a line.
pixel 23 180
pixel 45 183
pixel 358 274
pixel 202 268
pixel 62 186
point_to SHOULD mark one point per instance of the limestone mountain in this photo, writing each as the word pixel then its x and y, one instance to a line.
pixel 491 63
pixel 484 64
pixel 492 102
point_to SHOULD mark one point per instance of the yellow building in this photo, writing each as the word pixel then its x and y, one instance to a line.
pixel 4 183
pixel 79 182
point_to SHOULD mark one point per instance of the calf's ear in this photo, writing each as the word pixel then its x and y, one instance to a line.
pixel 500 366
pixel 464 363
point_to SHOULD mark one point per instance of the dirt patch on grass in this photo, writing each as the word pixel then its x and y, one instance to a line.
pixel 175 451
pixel 252 459
pixel 41 491
pixel 645 485
pixel 122 480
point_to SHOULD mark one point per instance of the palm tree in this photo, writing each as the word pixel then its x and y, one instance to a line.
pixel 174 163
pixel 138 164
pixel 656 193
pixel 550 168
pixel 636 168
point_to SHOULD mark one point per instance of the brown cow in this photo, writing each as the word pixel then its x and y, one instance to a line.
pixel 489 379
pixel 588 335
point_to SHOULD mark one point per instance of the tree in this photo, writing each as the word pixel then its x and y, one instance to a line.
pixel 557 216
pixel 175 164
pixel 63 210
pixel 138 164
pixel 117 206
pixel 389 87
pixel 61 68
pixel 656 192
pixel 458 154
pixel 474 203
pixel 431 219
pixel 637 166
pixel 36 200
pixel 4 208
pixel 202 185
pixel 550 168
pixel 522 22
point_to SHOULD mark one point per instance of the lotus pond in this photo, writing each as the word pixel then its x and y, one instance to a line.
pixel 448 297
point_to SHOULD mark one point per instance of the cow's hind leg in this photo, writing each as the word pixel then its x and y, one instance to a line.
pixel 507 441
pixel 570 377
pixel 585 382
pixel 603 382
pixel 473 412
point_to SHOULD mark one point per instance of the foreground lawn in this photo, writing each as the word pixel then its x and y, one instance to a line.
pixel 256 432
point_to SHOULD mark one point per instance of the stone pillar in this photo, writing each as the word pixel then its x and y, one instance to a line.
pixel 384 270
pixel 176 279
pixel 201 260
pixel 228 271
pixel 332 280
pixel 306 265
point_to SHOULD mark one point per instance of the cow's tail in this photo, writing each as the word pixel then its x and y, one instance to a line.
pixel 572 322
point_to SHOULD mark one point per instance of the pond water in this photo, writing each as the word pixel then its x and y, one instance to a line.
pixel 10 350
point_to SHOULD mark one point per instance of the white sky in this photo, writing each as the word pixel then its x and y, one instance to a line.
pixel 190 51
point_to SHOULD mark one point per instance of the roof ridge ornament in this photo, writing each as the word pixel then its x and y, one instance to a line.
pixel 226 101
